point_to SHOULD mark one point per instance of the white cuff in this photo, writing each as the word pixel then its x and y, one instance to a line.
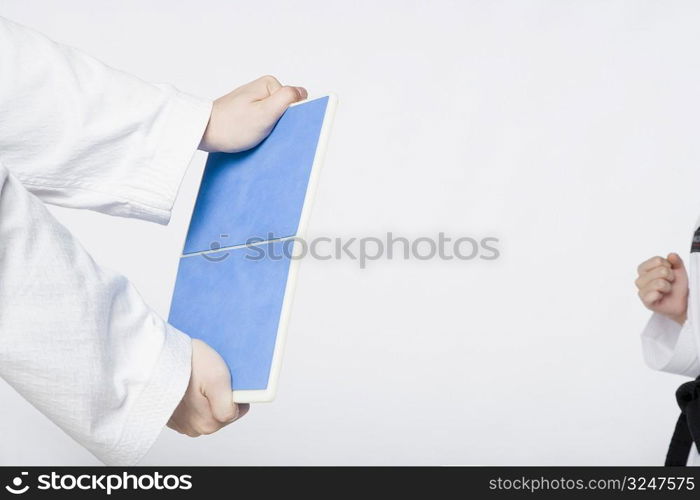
pixel 157 184
pixel 155 404
pixel 670 347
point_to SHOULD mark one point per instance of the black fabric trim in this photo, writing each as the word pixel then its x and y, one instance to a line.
pixel 687 429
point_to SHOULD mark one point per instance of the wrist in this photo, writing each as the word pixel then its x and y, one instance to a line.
pixel 679 318
pixel 205 141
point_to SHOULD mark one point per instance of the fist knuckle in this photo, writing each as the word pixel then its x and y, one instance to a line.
pixel 269 79
pixel 291 93
pixel 207 427
pixel 228 413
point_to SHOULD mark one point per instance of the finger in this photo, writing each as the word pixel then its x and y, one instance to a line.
pixel 650 298
pixel 280 100
pixel 171 423
pixel 661 272
pixel 190 432
pixel 221 402
pixel 263 87
pixel 675 260
pixel 650 264
pixel 658 285
pixel 243 408
pixel 187 430
pixel 302 93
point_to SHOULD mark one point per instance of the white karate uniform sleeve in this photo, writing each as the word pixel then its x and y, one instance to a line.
pixel 80 134
pixel 670 347
pixel 76 340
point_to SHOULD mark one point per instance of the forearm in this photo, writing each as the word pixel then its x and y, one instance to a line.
pixel 81 134
pixel 77 341
pixel 670 347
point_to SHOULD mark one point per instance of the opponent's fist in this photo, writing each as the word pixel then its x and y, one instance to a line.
pixel 663 286
pixel 242 118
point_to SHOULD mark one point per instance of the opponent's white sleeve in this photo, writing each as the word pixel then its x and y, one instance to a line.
pixel 78 133
pixel 77 340
pixel 670 347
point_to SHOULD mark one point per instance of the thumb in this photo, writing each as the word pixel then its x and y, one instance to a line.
pixel 222 406
pixel 217 390
pixel 676 261
pixel 278 102
pixel 220 398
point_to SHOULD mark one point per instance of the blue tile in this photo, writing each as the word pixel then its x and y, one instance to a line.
pixel 260 192
pixel 233 302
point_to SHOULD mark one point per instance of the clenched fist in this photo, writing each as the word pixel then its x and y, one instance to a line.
pixel 208 405
pixel 663 286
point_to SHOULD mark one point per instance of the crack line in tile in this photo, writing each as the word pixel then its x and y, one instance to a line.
pixel 237 247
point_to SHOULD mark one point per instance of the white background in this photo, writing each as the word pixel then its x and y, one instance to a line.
pixel 568 129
